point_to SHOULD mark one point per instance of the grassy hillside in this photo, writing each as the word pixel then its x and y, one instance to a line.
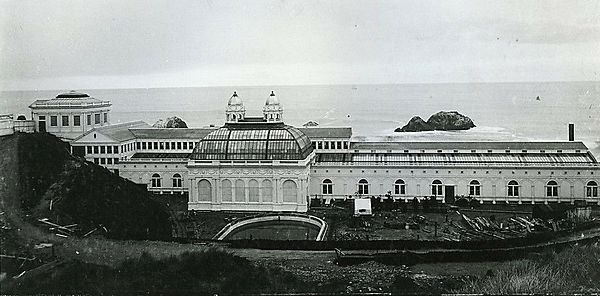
pixel 42 170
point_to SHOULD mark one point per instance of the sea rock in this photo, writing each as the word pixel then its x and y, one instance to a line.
pixel 416 124
pixel 310 123
pixel 449 121
pixel 441 121
pixel 171 122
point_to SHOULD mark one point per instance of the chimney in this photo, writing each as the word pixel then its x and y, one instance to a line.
pixel 571 132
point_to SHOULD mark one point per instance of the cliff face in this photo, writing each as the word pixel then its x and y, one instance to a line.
pixel 81 192
pixel 171 122
pixel 442 121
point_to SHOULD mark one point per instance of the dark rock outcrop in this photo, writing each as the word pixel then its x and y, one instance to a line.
pixel 416 124
pixel 441 121
pixel 310 123
pixel 171 122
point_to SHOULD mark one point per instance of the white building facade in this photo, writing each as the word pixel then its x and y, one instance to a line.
pixel 261 164
pixel 70 114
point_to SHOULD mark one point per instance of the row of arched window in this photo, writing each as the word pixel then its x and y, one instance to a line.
pixel 156 181
pixel 257 192
pixel 552 187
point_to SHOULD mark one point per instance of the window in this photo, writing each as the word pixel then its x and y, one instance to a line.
pixel 185 145
pixel 116 149
pixel 320 145
pixel 253 191
pixel 436 187
pixel 162 145
pixel 168 145
pixel 105 117
pixel 89 149
pixel 96 150
pixel 227 193
pixel 155 145
pixel 399 187
pixel 76 120
pixel 103 160
pixel 102 149
pixel 339 145
pixel 155 182
pixel 89 119
pixel 290 191
pixel 179 145
pixel 326 145
pixel 109 161
pixel 345 145
pixel 191 145
pixel 327 186
pixel 513 188
pixel 65 120
pixel 267 191
pixel 363 187
pixel 552 189
pixel 240 190
pixel 53 120
pixel 177 181
pixel 591 189
pixel 204 190
pixel 115 160
pixel 143 145
pixel 97 118
pixel 138 145
pixel 474 188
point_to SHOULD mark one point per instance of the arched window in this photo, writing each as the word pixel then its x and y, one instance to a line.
pixel 267 191
pixel 290 191
pixel 474 188
pixel 253 191
pixel 177 181
pixel 437 188
pixel 240 191
pixel 513 188
pixel 552 189
pixel 227 190
pixel 327 186
pixel 399 187
pixel 155 182
pixel 363 186
pixel 204 190
pixel 591 189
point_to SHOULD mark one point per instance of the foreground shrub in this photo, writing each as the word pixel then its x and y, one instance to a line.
pixel 575 269
pixel 209 272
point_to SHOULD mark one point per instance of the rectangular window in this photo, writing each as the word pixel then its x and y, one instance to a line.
pixel 65 120
pixel 185 145
pixel 138 145
pixel 53 120
pixel 42 117
pixel 116 149
pixel 102 149
pixel 339 145
pixel 115 160
pixel 102 160
pixel 191 145
pixel 105 117
pixel 143 145
pixel 89 119
pixel 109 161
pixel 96 161
pixel 168 145
pixel 97 118
pixel 326 145
pixel 345 145
pixel 155 145
pixel 96 150
pixel 76 120
pixel 89 149
pixel 179 145
pixel 109 149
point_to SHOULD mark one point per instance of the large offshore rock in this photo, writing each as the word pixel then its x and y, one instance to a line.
pixel 449 121
pixel 441 121
pixel 416 124
pixel 171 122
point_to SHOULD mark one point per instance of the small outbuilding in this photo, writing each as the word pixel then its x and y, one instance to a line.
pixel 362 207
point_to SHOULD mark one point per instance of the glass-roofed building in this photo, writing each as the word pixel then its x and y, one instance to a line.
pixel 251 163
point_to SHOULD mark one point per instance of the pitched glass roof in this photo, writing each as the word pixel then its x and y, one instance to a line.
pixel 254 141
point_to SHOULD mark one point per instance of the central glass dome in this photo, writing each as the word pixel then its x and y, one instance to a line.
pixel 256 140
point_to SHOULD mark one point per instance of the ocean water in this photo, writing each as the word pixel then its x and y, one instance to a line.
pixel 501 111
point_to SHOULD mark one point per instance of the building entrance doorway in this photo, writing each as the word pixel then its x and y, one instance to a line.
pixel 449 194
pixel 42 126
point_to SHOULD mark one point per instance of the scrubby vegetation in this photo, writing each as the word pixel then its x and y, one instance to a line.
pixel 574 270
pixel 200 273
pixel 81 192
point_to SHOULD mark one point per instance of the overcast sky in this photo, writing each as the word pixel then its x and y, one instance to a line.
pixel 114 44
